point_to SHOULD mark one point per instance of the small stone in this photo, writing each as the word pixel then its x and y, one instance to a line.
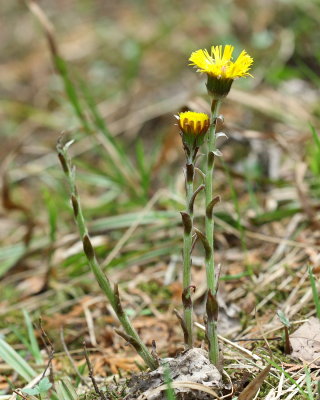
pixel 192 366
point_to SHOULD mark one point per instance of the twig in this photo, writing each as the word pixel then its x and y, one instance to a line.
pixel 20 394
pixel 66 350
pixel 50 352
pixel 96 388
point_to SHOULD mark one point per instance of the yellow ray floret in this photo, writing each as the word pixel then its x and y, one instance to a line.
pixel 193 122
pixel 219 62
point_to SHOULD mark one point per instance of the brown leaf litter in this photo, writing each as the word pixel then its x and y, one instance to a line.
pixel 305 342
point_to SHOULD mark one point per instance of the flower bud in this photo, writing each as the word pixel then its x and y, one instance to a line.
pixel 193 127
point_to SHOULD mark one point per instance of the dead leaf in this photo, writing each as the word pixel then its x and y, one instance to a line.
pixel 58 320
pixel 123 363
pixel 251 390
pixel 31 285
pixel 305 342
pixel 152 329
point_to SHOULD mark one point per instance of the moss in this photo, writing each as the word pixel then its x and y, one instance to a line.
pixel 116 391
pixel 201 335
pixel 154 289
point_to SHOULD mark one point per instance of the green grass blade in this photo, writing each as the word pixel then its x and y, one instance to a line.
pixel 314 152
pixel 315 293
pixel 125 170
pixel 15 361
pixel 126 220
pixel 65 390
pixel 309 384
pixel 71 92
pixel 9 255
pixel 236 204
pixel 143 168
pixel 52 214
pixel 169 392
pixel 315 136
pixel 276 215
pixel 287 375
pixel 100 122
pixel 34 347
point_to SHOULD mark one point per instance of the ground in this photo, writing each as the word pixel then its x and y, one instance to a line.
pixel 121 75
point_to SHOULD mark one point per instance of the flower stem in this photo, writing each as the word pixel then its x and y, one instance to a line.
pixel 209 228
pixel 102 279
pixel 187 245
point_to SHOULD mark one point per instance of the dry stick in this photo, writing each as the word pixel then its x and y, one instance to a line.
pixel 209 227
pixel 251 390
pixel 154 351
pixel 182 324
pixel 20 394
pixel 102 279
pixel 50 352
pixel 66 350
pixel 96 388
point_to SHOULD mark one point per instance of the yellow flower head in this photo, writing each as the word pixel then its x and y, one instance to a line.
pixel 218 65
pixel 194 123
pixel 193 127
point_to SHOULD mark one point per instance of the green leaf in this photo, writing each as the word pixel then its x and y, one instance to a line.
pixel 284 320
pixel 16 362
pixel 276 215
pixel 44 385
pixel 31 391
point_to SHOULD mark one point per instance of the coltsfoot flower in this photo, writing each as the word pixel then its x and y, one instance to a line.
pixel 220 69
pixel 193 127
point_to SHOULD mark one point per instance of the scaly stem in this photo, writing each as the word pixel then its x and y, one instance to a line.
pixel 209 227
pixel 187 245
pixel 104 283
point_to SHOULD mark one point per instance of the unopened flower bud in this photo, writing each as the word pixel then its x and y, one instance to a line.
pixel 193 127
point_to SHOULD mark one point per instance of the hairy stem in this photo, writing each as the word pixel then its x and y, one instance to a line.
pixel 209 227
pixel 104 283
pixel 187 245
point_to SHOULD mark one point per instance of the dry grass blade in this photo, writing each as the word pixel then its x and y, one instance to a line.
pixel 176 385
pixel 250 391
